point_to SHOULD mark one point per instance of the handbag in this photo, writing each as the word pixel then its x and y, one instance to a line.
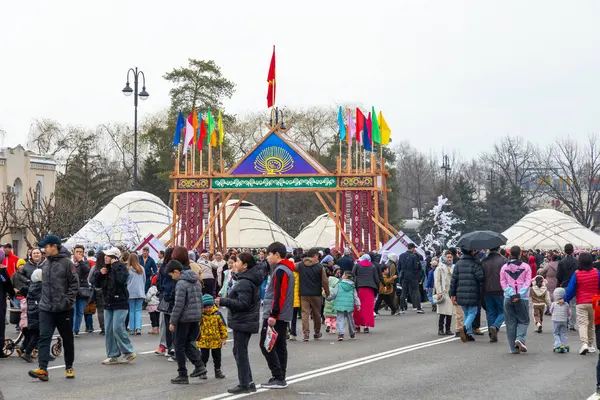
pixel 164 306
pixel 85 292
pixel 439 298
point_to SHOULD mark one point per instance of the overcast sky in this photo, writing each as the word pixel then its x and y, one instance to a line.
pixel 447 74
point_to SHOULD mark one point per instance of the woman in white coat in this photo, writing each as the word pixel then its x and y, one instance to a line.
pixel 442 276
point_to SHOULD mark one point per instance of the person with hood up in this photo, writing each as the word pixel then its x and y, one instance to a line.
pixel 243 305
pixel 465 290
pixel 345 301
pixel 278 309
pixel 540 298
pixel 112 278
pixel 531 260
pixel 560 319
pixel 34 294
pixel 565 270
pixel 515 278
pixel 367 281
pixel 59 291
pixel 493 293
pixel 313 280
pixel 583 286
pixel 185 321
pixel 548 272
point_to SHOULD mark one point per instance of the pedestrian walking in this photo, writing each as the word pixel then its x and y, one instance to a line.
pixel 515 278
pixel 82 267
pixel 410 276
pixel 493 293
pixel 33 297
pixel 465 290
pixel 243 305
pixel 565 270
pixel 345 301
pixel 112 278
pixel 442 278
pixel 313 281
pixel 561 312
pixel 185 321
pixel 136 283
pixel 366 278
pixel 540 299
pixel 59 292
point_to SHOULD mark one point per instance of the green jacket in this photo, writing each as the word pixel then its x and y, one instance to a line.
pixel 329 309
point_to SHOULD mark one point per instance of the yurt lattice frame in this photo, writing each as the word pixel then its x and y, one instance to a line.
pixel 351 196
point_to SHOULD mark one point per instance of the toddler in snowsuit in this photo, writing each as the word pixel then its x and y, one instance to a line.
pixel 213 335
pixel 561 312
pixel 346 299
pixel 540 298
pixel 153 301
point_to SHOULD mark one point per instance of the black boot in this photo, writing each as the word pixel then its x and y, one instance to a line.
pixel 219 374
pixel 241 389
pixel 441 332
pixel 180 380
pixel 199 371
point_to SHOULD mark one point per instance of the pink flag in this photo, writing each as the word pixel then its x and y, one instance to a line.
pixel 189 133
pixel 351 127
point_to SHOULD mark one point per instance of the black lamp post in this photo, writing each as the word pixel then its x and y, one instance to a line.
pixel 127 91
pixel 446 167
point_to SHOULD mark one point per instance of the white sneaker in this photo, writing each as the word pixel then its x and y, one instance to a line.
pixel 111 361
pixel 127 358
pixel 591 349
pixel 584 349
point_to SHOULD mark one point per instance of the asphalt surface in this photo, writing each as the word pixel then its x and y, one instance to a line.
pixel 402 357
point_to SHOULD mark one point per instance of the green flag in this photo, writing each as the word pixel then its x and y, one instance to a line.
pixel 375 134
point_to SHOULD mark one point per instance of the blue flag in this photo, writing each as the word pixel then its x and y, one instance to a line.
pixel 366 138
pixel 341 124
pixel 180 125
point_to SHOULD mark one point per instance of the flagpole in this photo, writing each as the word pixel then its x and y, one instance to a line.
pixel 209 168
pixel 178 161
pixel 349 157
pixel 186 163
pixel 381 155
pixel 193 158
pixel 221 154
pixel 341 153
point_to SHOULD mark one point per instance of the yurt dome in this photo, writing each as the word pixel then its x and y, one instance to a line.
pixel 251 228
pixel 549 229
pixel 126 220
pixel 319 233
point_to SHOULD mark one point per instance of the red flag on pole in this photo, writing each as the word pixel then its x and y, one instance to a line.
pixel 360 123
pixel 271 80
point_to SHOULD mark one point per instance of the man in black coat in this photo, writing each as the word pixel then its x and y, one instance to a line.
pixel 565 270
pixel 465 290
pixel 410 274
pixel 346 263
pixel 492 290
pixel 59 291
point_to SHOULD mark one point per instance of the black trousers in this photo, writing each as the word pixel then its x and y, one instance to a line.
pixel 448 322
pixel 2 320
pixel 415 295
pixel 277 357
pixel 63 321
pixel 209 286
pixel 389 299
pixel 216 355
pixel 240 353
pixel 34 338
pixel 186 334
pixel 155 319
pixel 294 321
pixel 169 334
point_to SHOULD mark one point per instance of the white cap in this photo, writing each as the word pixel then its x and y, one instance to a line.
pixel 113 252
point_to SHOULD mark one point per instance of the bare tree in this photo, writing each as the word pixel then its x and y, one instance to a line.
pixel 314 128
pixel 7 213
pixel 38 215
pixel 245 133
pixel 570 172
pixel 119 140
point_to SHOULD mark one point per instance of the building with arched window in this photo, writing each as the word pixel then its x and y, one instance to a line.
pixel 22 171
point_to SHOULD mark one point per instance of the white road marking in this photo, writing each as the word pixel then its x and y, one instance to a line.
pixel 342 366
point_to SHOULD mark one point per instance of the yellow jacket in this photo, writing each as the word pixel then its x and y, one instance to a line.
pixel 296 290
pixel 212 330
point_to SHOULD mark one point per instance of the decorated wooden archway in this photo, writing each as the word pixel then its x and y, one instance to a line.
pixel 352 196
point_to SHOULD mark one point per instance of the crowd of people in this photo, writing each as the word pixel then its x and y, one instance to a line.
pixel 195 301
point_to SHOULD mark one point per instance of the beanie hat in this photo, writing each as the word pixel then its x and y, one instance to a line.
pixel 559 293
pixel 207 300
pixel 20 262
pixel 327 259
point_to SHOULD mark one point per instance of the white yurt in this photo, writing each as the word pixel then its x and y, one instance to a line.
pixel 319 233
pixel 126 220
pixel 549 229
pixel 251 228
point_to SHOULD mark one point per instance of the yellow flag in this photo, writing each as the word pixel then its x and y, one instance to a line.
pixel 385 130
pixel 213 137
pixel 195 125
pixel 220 125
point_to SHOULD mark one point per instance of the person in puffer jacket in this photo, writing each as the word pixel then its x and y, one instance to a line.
pixel 213 335
pixel 185 321
pixel 33 292
pixel 584 285
pixel 345 300
pixel 465 290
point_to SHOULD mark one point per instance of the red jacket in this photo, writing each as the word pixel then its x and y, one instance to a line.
pixel 533 266
pixel 587 285
pixel 11 264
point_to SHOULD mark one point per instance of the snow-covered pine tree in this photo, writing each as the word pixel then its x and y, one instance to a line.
pixel 439 224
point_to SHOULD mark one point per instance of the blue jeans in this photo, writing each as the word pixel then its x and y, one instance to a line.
pixel 560 334
pixel 430 296
pixel 516 317
pixel 78 314
pixel 494 310
pixel 135 314
pixel 89 322
pixel 341 321
pixel 470 314
pixel 116 339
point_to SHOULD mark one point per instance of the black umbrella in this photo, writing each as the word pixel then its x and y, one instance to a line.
pixel 480 240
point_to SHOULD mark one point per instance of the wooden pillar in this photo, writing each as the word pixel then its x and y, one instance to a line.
pixel 338 243
pixel 386 215
pixel 211 233
pixel 174 229
pixel 224 226
pixel 376 209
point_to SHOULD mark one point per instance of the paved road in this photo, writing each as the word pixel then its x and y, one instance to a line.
pixel 402 358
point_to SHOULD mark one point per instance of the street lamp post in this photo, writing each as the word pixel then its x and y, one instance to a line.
pixel 127 91
pixel 446 167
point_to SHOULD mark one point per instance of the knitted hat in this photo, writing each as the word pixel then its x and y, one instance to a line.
pixel 207 300
pixel 20 262
pixel 559 293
